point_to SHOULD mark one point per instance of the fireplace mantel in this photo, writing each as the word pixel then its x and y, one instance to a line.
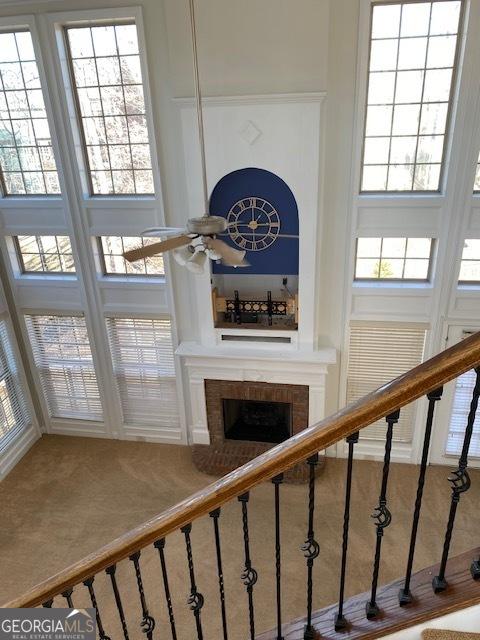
pixel 280 367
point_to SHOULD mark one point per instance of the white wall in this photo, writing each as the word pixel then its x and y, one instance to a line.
pixel 250 47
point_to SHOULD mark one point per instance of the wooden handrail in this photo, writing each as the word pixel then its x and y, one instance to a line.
pixel 408 387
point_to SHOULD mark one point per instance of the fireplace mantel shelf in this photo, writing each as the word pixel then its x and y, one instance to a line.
pixel 326 355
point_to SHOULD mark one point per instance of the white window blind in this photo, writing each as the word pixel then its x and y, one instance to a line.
pixel 142 353
pixel 378 354
pixel 64 360
pixel 13 410
pixel 462 398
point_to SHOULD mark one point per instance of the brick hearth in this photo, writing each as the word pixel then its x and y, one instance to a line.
pixel 222 456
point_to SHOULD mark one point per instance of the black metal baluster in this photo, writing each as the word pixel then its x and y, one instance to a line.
pixel 277 481
pixel 249 575
pixel 110 571
pixel 340 620
pixel 382 515
pixel 101 631
pixel 310 548
pixel 148 623
pixel 195 599
pixel 48 604
pixel 221 588
pixel 460 481
pixel 160 546
pixel 67 594
pixel 405 596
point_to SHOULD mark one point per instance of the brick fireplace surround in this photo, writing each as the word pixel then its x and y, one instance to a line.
pixel 223 455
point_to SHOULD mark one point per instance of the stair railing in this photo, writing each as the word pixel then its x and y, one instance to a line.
pixel 427 379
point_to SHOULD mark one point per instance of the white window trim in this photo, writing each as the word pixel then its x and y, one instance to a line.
pixel 430 216
pixel 22 201
pixel 451 334
pixel 57 22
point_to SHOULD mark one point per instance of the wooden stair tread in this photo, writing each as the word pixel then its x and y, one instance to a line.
pixel 462 592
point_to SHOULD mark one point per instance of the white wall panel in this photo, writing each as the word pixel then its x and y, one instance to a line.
pixel 56 293
pixel 395 305
pixel 386 219
pixel 136 298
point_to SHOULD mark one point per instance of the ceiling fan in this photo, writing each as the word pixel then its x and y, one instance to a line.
pixel 199 240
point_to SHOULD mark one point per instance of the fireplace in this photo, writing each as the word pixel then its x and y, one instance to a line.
pixel 256 420
pixel 246 418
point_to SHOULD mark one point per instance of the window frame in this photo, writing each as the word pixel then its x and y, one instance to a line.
pixel 476 192
pixel 43 373
pixel 467 283
pixel 120 366
pixel 451 101
pixel 73 91
pixel 41 274
pixel 385 281
pixel 22 24
pixel 138 276
pixel 17 392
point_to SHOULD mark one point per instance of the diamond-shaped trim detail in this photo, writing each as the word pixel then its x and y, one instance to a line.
pixel 250 132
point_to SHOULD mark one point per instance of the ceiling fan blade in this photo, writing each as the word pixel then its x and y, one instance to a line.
pixel 158 232
pixel 155 248
pixel 230 256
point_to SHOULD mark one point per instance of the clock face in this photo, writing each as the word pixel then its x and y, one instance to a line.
pixel 254 224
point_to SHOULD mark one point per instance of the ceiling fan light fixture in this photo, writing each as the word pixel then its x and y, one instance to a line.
pixel 196 263
pixel 182 255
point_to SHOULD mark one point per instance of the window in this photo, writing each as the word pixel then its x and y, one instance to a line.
pixel 45 254
pixel 26 155
pixel 379 353
pixel 412 57
pixel 464 385
pixel 476 187
pixel 470 264
pixel 107 80
pixel 62 354
pixel 13 411
pixel 393 258
pixel 143 361
pixel 112 249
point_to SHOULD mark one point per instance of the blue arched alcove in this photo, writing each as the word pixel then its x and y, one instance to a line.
pixel 264 209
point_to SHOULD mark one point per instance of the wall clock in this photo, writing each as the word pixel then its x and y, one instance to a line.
pixel 254 223
pixel 262 210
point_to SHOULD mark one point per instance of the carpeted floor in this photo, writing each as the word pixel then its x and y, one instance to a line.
pixel 68 496
pixel 439 634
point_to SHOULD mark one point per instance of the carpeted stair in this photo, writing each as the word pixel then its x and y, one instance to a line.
pixel 443 634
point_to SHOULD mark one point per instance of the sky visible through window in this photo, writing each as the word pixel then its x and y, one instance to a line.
pixel 412 55
pixel 26 156
pixel 393 258
pixel 108 80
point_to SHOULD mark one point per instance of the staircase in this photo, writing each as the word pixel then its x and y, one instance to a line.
pixel 450 585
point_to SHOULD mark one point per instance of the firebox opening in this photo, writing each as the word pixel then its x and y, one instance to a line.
pixel 257 420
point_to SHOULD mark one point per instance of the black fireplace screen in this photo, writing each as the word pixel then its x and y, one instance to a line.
pixel 257 420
